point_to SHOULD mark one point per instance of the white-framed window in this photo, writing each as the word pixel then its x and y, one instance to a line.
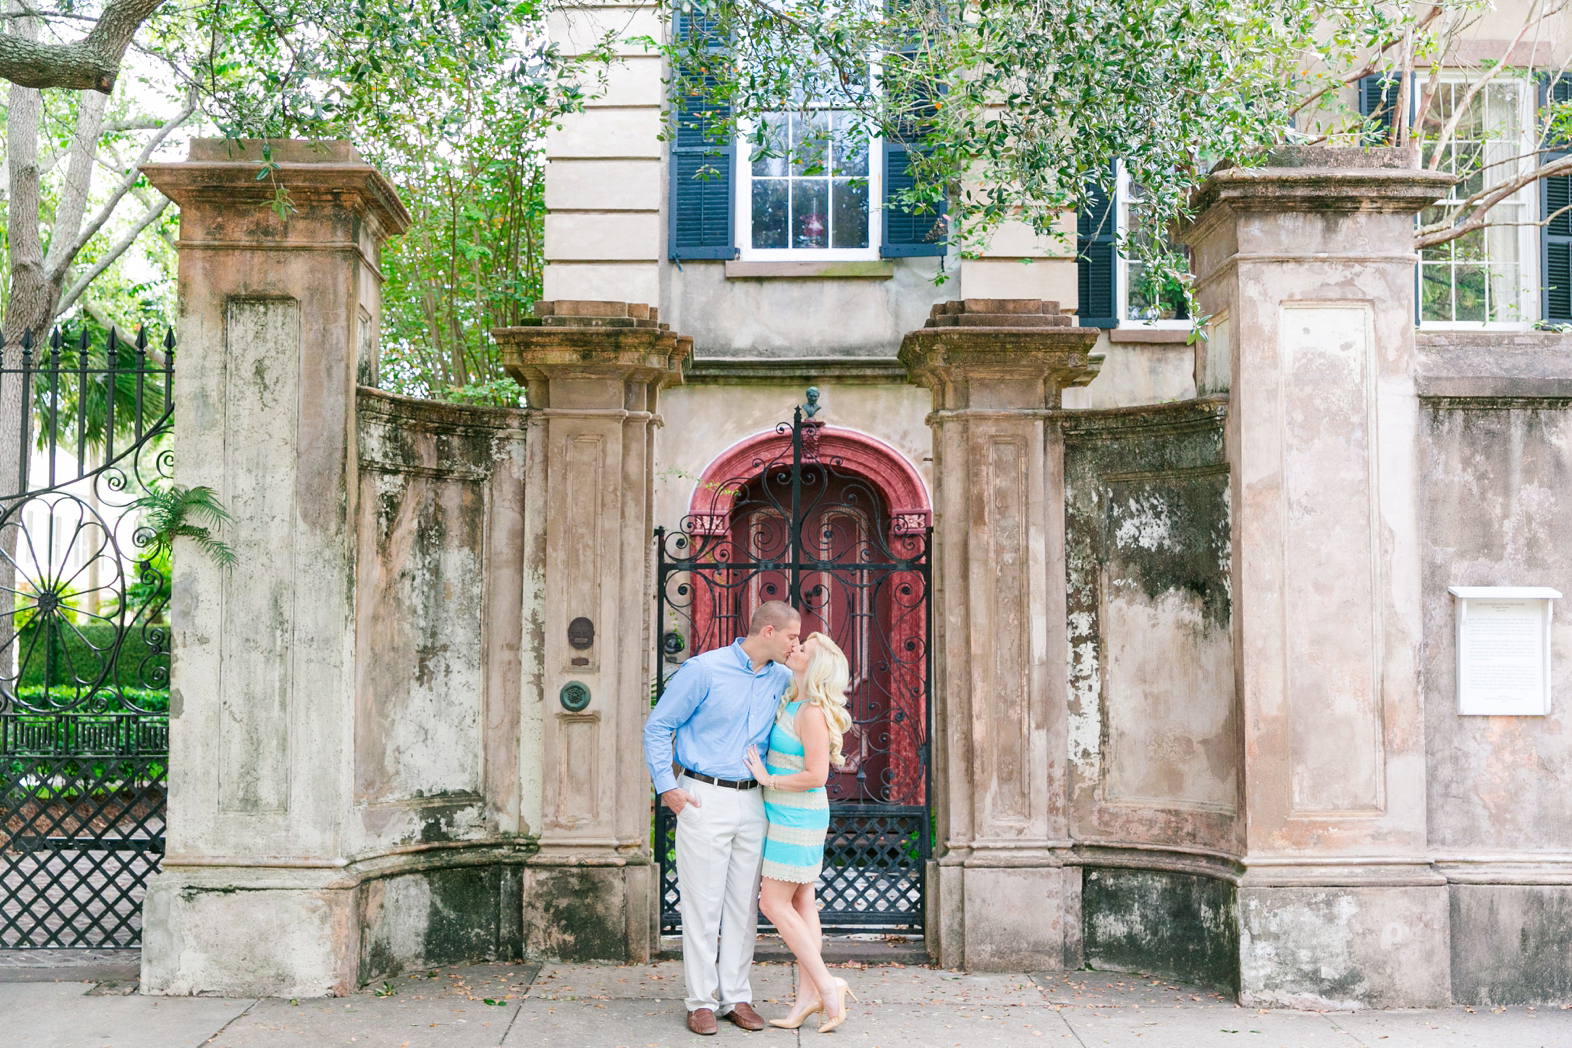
pixel 1144 299
pixel 1488 277
pixel 811 191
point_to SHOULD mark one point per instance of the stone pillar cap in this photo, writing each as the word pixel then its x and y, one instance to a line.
pixel 537 354
pixel 1319 178
pixel 998 313
pixel 223 172
pixel 1035 362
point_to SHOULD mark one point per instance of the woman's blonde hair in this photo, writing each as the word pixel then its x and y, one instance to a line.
pixel 825 680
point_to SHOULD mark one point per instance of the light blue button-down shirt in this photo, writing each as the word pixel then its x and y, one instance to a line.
pixel 716 707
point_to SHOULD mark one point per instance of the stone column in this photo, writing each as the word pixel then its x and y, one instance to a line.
pixel 998 886
pixel 594 371
pixel 277 315
pixel 1306 267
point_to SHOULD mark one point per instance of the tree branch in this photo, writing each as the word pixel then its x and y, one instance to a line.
pixel 78 183
pixel 63 262
pixel 119 248
pixel 90 64
pixel 1477 86
pixel 1477 207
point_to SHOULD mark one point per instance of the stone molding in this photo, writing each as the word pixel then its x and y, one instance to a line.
pixel 875 269
pixel 1316 179
pixel 339 179
pixel 1036 363
pixel 594 341
pixel 814 370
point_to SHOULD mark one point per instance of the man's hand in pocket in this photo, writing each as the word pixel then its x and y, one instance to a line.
pixel 679 799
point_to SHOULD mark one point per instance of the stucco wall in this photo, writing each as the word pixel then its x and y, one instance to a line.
pixel 776 317
pixel 1154 753
pixel 1496 445
pixel 439 576
pixel 1498 500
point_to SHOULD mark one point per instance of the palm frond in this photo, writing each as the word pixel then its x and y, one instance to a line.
pixel 173 511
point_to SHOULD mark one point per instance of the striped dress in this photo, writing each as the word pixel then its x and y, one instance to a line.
pixel 794 844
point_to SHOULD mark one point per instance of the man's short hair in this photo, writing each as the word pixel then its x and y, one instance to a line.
pixel 775 613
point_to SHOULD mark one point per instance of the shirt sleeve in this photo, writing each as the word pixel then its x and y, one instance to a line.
pixel 677 703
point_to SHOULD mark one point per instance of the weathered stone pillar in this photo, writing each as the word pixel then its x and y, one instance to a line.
pixel 998 886
pixel 277 316
pixel 594 371
pixel 1306 267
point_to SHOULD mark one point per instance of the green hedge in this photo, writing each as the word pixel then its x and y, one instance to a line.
pixel 109 700
pixel 80 651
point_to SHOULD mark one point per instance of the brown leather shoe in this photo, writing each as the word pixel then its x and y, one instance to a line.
pixel 702 1021
pixel 744 1016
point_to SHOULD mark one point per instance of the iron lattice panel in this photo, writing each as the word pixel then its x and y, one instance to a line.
pixel 875 860
pixel 83 827
pixel 874 863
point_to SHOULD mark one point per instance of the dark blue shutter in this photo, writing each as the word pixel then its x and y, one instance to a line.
pixel 1378 103
pixel 1555 238
pixel 1556 241
pixel 908 231
pixel 1097 259
pixel 702 210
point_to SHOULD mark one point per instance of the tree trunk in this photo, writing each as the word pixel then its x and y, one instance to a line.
pixel 23 109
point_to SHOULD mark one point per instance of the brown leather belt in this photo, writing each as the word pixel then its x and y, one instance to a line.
pixel 745 784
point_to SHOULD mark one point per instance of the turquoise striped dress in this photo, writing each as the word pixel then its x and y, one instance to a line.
pixel 794 844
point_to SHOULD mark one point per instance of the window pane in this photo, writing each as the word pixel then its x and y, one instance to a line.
pixel 769 212
pixel 769 158
pixel 1435 292
pixel 1470 291
pixel 1479 276
pixel 1150 297
pixel 851 146
pixel 810 143
pixel 849 221
pixel 810 212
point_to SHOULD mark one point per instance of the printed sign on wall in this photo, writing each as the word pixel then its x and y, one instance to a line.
pixel 1503 650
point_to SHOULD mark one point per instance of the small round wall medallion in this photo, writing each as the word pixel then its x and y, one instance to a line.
pixel 575 697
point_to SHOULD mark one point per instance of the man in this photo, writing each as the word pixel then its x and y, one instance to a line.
pixel 716 706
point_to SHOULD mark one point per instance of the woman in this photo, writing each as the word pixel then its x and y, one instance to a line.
pixel 805 741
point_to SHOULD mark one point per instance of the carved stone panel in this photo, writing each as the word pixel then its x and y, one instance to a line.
pixel 1332 623
pixel 262 368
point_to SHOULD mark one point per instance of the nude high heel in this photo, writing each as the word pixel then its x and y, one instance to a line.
pixel 841 990
pixel 787 1024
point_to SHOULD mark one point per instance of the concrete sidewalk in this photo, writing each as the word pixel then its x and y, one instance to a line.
pixel 582 1006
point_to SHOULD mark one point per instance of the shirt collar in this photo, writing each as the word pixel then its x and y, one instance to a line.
pixel 744 661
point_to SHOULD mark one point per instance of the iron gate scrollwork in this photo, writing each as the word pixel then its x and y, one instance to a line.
pixel 803 527
pixel 84 643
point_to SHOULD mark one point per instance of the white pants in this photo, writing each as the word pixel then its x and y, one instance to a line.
pixel 720 850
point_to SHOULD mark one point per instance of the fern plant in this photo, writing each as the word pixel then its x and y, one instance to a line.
pixel 179 512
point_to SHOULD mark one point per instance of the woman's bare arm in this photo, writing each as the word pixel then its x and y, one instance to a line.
pixel 815 736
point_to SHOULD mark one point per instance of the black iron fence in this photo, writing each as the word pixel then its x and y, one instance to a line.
pixel 84 640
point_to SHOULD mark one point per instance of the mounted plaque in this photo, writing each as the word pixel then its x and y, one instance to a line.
pixel 1503 650
pixel 574 696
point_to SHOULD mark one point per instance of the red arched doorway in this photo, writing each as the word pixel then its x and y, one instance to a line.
pixel 836 523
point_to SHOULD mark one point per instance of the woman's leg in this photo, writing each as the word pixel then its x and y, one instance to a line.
pixel 807 906
pixel 776 899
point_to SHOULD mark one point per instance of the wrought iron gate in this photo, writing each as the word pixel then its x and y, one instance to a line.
pixel 84 646
pixel 801 527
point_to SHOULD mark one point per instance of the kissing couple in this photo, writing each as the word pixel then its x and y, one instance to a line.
pixel 750 831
